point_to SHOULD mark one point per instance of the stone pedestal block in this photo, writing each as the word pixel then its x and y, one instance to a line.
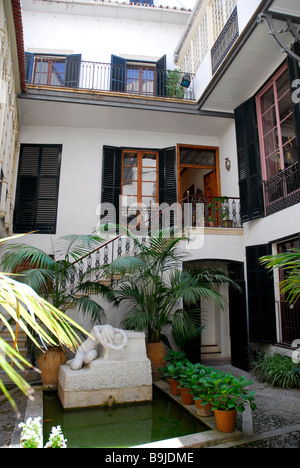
pixel 123 377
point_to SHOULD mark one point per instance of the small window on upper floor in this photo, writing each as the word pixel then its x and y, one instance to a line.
pixel 53 70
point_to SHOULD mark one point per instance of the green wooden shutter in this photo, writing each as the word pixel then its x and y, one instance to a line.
pixel 118 74
pixel 111 181
pixel 29 60
pixel 72 70
pixel 168 178
pixel 261 299
pixel 37 188
pixel 161 76
pixel 250 177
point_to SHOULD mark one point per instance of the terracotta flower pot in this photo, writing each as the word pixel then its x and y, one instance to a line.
pixel 49 364
pixel 174 387
pixel 225 420
pixel 203 410
pixel 156 353
pixel 186 397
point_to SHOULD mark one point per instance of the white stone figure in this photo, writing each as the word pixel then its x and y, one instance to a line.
pixel 88 351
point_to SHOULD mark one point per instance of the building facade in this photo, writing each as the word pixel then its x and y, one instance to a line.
pixel 140 107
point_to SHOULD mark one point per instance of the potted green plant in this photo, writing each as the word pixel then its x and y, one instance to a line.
pixel 187 377
pixel 198 388
pixel 153 287
pixel 48 273
pixel 172 373
pixel 227 395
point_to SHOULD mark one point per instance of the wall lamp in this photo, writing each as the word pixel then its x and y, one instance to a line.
pixel 186 81
pixel 228 164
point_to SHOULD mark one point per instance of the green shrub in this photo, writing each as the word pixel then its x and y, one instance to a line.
pixel 277 370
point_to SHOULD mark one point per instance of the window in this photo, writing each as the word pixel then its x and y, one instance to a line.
pixel 53 70
pixel 139 184
pixel 289 315
pixel 37 188
pixel 140 79
pixel 277 141
pixel 137 176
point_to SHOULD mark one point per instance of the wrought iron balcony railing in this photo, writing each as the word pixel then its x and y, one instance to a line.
pixel 225 41
pixel 282 190
pixel 214 211
pixel 72 72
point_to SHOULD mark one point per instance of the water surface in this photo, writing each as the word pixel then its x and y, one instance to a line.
pixel 119 426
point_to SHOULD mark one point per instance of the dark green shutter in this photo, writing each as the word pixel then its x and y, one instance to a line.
pixel 249 165
pixel 168 179
pixel 37 188
pixel 118 74
pixel 261 299
pixel 294 73
pixel 161 76
pixel 111 181
pixel 29 59
pixel 72 70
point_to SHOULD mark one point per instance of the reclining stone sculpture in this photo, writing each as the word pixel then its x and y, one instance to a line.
pixel 104 335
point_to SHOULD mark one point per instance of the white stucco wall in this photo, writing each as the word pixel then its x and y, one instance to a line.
pixel 98 32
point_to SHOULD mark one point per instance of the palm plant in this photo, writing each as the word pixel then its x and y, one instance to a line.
pixel 56 276
pixel 289 263
pixel 158 294
pixel 36 317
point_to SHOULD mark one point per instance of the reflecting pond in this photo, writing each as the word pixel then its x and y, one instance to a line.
pixel 119 426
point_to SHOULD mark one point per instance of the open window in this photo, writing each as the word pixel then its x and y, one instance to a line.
pixel 138 76
pixel 53 70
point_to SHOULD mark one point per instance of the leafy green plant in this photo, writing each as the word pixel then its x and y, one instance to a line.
pixel 37 318
pixel 289 263
pixel 277 370
pixel 153 288
pixel 173 370
pixel 174 89
pixel 48 273
pixel 226 392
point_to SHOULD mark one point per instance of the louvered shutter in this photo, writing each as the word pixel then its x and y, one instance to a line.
pixel 111 182
pixel 118 74
pixel 72 70
pixel 168 178
pixel 29 60
pixel 161 76
pixel 294 73
pixel 249 165
pixel 261 300
pixel 37 189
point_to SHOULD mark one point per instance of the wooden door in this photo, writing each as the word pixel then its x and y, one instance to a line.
pixel 211 191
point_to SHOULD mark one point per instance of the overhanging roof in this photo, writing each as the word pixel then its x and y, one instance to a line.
pixel 255 55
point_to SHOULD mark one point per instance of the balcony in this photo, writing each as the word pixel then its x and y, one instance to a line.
pixel 134 80
pixel 282 190
pixel 192 212
pixel 225 41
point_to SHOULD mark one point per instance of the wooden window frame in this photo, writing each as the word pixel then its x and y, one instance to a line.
pixel 140 167
pixel 272 84
pixel 197 166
